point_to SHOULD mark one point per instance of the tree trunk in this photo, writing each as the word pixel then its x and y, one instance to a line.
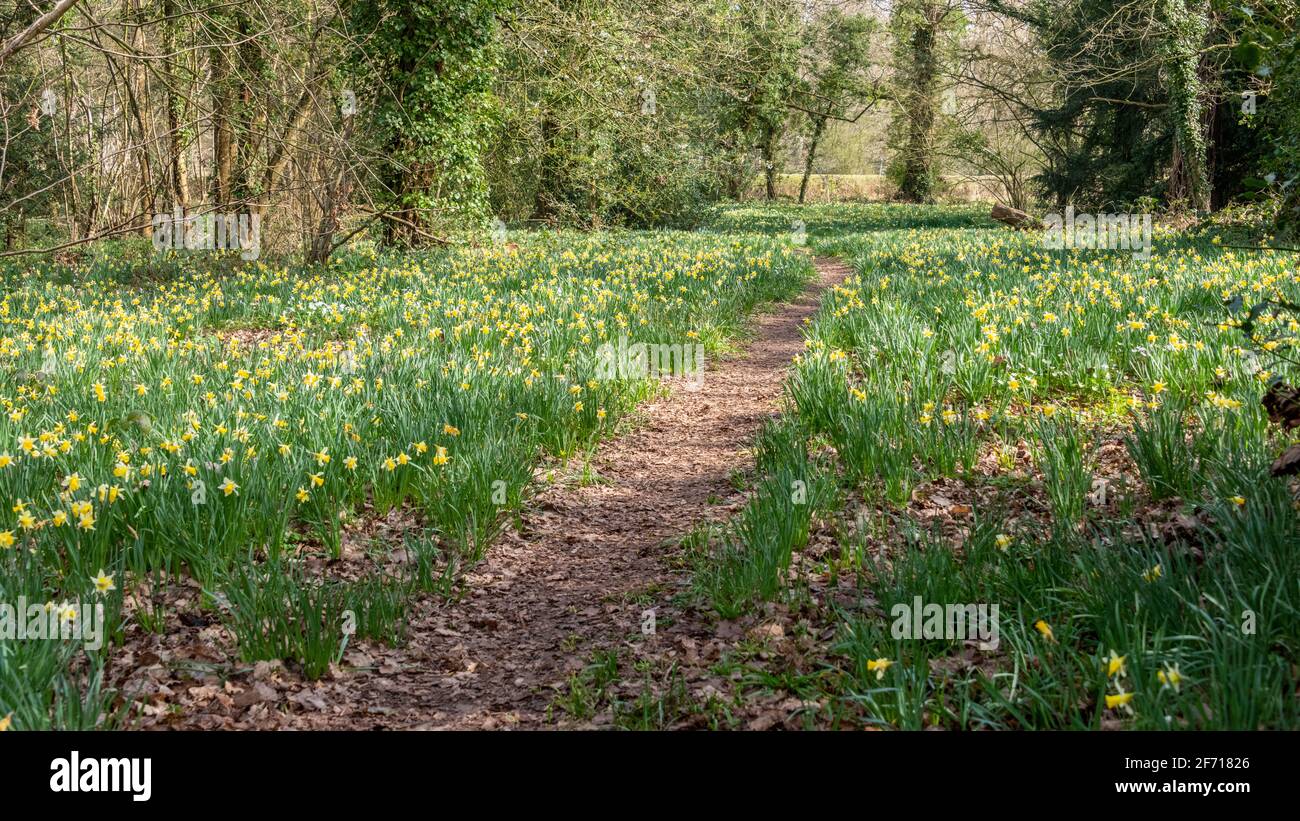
pixel 223 157
pixel 175 110
pixel 917 184
pixel 737 172
pixel 818 126
pixel 247 122
pixel 544 198
pixel 1185 23
pixel 770 141
pixel 134 80
pixel 333 201
pixel 279 159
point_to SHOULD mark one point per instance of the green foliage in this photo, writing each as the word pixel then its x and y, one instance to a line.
pixel 1160 449
pixel 606 116
pixel 29 168
pixel 1067 477
pixel 426 69
pixel 53 683
pixel 836 84
pixel 753 102
pixel 1105 147
pixel 836 64
pixel 1268 55
pixel 748 563
pixel 276 612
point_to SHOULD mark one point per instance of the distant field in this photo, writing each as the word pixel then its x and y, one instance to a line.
pixel 873 188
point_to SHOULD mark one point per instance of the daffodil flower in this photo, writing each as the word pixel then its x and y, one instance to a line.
pixel 1170 677
pixel 103 583
pixel 879 666
pixel 1118 700
pixel 1115 665
pixel 1045 629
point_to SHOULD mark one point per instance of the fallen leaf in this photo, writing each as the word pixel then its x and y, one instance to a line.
pixel 256 694
pixel 771 630
pixel 309 699
pixel 1288 464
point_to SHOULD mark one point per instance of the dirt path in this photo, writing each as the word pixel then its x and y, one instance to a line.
pixel 588 561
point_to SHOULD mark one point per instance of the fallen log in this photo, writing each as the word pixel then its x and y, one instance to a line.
pixel 1014 217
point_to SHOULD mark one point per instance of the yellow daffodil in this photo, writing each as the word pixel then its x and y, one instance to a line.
pixel 103 583
pixel 1170 676
pixel 879 666
pixel 1045 629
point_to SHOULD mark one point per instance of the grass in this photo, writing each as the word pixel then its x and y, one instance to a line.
pixel 661 701
pixel 749 561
